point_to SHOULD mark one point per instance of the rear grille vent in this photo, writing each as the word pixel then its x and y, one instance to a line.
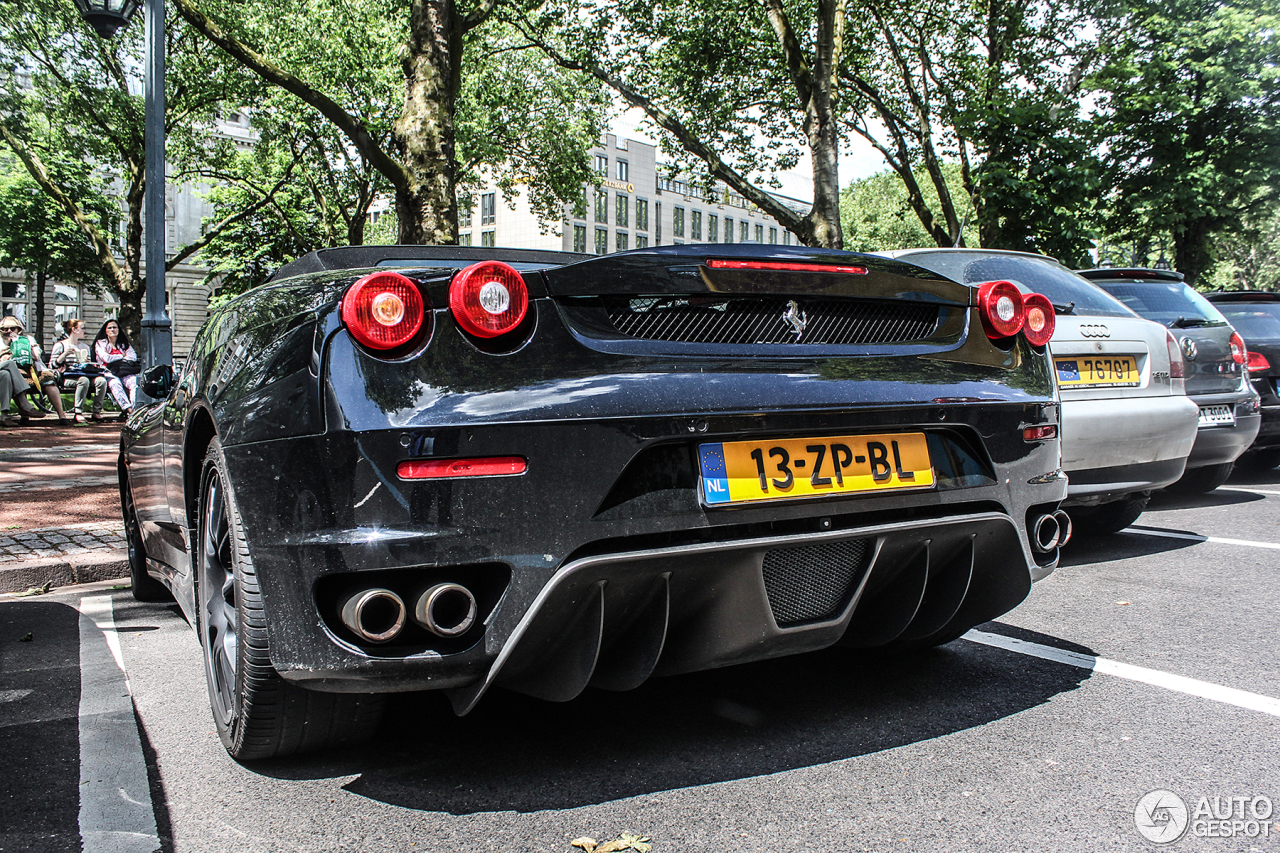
pixel 771 320
pixel 813 582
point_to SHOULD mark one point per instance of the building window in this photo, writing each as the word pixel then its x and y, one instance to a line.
pixel 580 238
pixel 580 206
pixel 657 223
pixel 13 301
pixel 464 239
pixel 642 214
pixel 786 238
pixel 465 216
pixel 642 242
pixel 728 229
pixel 713 228
pixel 487 208
pixel 773 235
pixel 602 165
pixel 759 233
pixel 486 238
pixel 602 207
pixel 622 170
pixel 744 231
pixel 620 241
pixel 621 209
pixel 602 240
pixel 695 225
pixel 677 222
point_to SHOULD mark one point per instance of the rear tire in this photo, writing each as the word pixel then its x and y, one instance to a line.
pixel 258 714
pixel 1263 460
pixel 144 587
pixel 1197 481
pixel 1109 517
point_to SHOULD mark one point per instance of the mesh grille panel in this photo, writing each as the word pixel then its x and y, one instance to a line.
pixel 771 320
pixel 813 582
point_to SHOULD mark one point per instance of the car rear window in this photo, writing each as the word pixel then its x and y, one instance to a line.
pixel 1254 320
pixel 1061 285
pixel 1164 301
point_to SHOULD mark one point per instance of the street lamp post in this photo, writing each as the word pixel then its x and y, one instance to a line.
pixel 106 17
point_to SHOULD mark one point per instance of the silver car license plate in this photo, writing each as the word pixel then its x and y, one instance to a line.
pixel 1217 416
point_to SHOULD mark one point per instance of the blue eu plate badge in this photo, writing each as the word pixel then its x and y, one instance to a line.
pixel 715 478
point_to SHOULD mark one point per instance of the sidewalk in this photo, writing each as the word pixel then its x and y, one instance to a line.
pixel 60 513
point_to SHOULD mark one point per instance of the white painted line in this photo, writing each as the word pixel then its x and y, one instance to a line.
pixel 1247 489
pixel 1196 537
pixel 116 814
pixel 1169 681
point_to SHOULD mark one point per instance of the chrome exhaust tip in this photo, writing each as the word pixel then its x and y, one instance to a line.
pixel 446 610
pixel 1064 527
pixel 1045 533
pixel 374 615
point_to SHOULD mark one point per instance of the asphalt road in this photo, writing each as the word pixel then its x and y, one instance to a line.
pixel 1148 661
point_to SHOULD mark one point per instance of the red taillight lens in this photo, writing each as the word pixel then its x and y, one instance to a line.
pixel 777 266
pixel 1000 304
pixel 1258 361
pixel 1177 368
pixel 1239 352
pixel 1039 433
pixel 1038 320
pixel 435 469
pixel 488 299
pixel 383 310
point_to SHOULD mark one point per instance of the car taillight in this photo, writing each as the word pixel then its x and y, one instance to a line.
pixel 1258 361
pixel 383 310
pixel 1039 319
pixel 1239 352
pixel 1000 306
pixel 488 299
pixel 1176 366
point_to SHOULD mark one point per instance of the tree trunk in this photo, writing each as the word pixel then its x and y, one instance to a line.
pixel 424 133
pixel 1191 250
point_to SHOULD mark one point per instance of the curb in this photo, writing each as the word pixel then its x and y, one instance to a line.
pixel 65 571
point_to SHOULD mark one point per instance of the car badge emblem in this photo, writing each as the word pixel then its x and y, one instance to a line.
pixel 795 318
pixel 1095 331
pixel 1189 349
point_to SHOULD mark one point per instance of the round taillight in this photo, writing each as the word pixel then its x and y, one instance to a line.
pixel 1038 319
pixel 1000 305
pixel 1239 352
pixel 488 299
pixel 383 310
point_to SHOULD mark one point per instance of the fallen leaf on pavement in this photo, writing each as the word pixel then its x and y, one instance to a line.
pixel 25 638
pixel 1122 602
pixel 36 590
pixel 587 844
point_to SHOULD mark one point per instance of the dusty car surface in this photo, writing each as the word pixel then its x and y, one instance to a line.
pixel 1256 316
pixel 1127 424
pixel 1214 371
pixel 410 468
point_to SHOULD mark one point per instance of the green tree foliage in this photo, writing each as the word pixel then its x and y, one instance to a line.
pixel 1189 99
pixel 1248 259
pixel 432 96
pixel 878 215
pixel 741 88
pixel 37 236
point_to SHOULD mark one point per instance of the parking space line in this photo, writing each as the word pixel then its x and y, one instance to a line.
pixel 1196 537
pixel 116 813
pixel 1169 681
pixel 1247 489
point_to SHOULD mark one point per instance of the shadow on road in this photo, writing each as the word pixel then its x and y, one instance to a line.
pixel 1172 500
pixel 522 754
pixel 1084 550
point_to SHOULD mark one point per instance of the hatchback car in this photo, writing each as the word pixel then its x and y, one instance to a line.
pixel 1214 366
pixel 1127 424
pixel 410 468
pixel 1256 316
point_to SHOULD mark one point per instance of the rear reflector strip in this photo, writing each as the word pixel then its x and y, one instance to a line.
pixel 435 469
pixel 1039 433
pixel 776 266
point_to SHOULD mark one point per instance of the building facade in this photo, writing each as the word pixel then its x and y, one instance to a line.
pixel 638 204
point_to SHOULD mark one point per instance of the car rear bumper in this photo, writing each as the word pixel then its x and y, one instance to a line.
pixel 1103 485
pixel 1120 433
pixel 1220 444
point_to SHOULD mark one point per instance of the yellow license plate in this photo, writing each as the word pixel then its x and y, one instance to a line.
pixel 1097 370
pixel 778 469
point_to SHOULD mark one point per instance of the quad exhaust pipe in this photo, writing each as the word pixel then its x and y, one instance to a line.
pixel 446 610
pixel 1051 530
pixel 374 615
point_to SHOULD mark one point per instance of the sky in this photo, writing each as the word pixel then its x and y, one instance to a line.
pixel 858 160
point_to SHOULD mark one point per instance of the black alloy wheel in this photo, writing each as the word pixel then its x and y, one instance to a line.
pixel 258 714
pixel 144 587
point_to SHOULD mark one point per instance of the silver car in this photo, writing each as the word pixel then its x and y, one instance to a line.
pixel 1127 423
